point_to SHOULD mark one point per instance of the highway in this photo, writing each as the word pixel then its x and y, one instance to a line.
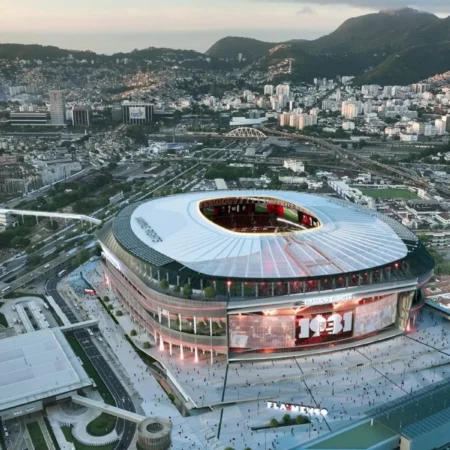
pixel 125 429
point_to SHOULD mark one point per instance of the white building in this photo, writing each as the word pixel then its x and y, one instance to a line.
pixel 268 89
pixel 350 110
pixel 348 125
pixel 429 130
pixel 294 165
pixel 283 89
pixel 306 120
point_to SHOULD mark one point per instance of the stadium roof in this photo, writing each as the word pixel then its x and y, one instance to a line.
pixel 349 239
pixel 37 365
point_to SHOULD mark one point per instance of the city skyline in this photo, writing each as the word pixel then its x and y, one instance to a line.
pixel 109 27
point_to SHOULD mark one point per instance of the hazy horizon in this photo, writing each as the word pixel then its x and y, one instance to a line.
pixel 109 26
pixel 109 43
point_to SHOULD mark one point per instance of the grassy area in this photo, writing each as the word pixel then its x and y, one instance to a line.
pixel 3 320
pixel 102 425
pixel 78 446
pixel 90 370
pixel 36 436
pixel 390 193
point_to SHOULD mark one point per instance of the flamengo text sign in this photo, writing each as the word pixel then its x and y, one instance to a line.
pixel 298 408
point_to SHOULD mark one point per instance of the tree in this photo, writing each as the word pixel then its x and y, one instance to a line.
pixel 187 290
pixel 119 313
pixel 300 420
pixel 34 259
pixel 164 284
pixel 133 333
pixel 106 299
pixel 287 419
pixel 111 307
pixel 147 345
pixel 176 288
pixel 273 423
pixel 210 291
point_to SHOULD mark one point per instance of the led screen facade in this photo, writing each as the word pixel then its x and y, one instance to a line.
pixel 289 329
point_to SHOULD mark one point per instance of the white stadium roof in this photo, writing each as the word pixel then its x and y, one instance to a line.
pixel 37 365
pixel 349 239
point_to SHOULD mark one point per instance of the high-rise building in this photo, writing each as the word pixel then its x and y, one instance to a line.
pixel 420 88
pixel 137 113
pixel 116 112
pixel 57 112
pixel 351 109
pixel 293 120
pixel 81 116
pixel 283 89
pixel 282 100
pixel 285 119
pixel 306 120
pixel 268 89
pixel 440 127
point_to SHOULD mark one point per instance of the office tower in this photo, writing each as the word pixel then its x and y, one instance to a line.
pixel 137 113
pixel 57 112
pixel 81 116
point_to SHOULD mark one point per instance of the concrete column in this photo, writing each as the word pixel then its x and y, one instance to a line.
pixel 161 343
pixel 170 348
pixel 178 280
pixel 159 276
pixel 196 354
pixel 210 327
pixel 179 318
pixel 159 314
pixel 273 288
pixel 212 357
pixel 181 352
pixel 168 318
pixel 195 325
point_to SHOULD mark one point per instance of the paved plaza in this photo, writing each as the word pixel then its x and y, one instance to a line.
pixel 345 383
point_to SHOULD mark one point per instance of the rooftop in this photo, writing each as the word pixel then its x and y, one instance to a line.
pixel 348 239
pixel 37 365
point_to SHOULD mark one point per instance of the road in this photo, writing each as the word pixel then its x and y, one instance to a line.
pixel 124 428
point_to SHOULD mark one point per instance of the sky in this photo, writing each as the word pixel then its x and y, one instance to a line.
pixel 116 25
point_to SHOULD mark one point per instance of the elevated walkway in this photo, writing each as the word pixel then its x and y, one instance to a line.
pixel 50 215
pixel 108 409
pixel 79 325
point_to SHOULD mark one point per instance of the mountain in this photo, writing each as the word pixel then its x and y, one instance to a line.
pixel 230 47
pixel 385 31
pixel 410 65
pixel 379 47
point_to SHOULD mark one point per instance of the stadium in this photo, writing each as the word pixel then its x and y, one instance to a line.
pixel 263 274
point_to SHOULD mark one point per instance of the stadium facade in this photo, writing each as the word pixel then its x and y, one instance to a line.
pixel 263 274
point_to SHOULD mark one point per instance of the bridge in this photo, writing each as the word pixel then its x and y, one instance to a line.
pixel 108 409
pixel 51 215
pixel 246 133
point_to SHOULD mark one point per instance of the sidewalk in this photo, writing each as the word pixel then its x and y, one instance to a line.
pixel 154 400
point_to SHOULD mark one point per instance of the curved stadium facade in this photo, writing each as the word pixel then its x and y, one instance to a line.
pixel 261 274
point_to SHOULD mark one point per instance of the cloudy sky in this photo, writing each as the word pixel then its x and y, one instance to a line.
pixel 181 23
